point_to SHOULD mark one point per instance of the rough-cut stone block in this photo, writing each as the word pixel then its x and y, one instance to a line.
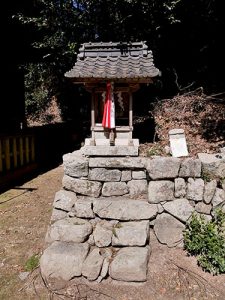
pixel 130 264
pixel 107 254
pixel 102 174
pixel 92 265
pixel 63 260
pixel 64 200
pixel 218 198
pixel 137 187
pixel 83 208
pixel 159 191
pixel 213 164
pixel 180 188
pixel 138 174
pixel 190 167
pixel 124 209
pixel 106 150
pixel 75 165
pixel 168 230
pixel 69 230
pixel 126 175
pixel 116 162
pixel 203 208
pixel 83 187
pixel 179 208
pixel 206 217
pixel 223 184
pixel 58 214
pixel 163 167
pixel 195 189
pixel 160 207
pixel 114 189
pixel 103 234
pixel 130 233
pixel 210 188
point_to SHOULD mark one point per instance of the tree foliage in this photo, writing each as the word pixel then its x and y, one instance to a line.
pixel 185 37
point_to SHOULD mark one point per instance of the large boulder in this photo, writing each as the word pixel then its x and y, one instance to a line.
pixel 179 208
pixel 159 191
pixel 130 264
pixel 124 209
pixel 103 234
pixel 130 233
pixel 64 200
pixel 63 261
pixel 92 264
pixel 116 162
pixel 83 208
pixel 75 164
pixel 168 230
pixel 82 186
pixel 114 189
pixel 190 167
pixel 163 167
pixel 195 189
pixel 69 230
pixel 137 188
pixel 213 164
pixel 210 188
pixel 180 188
pixel 102 174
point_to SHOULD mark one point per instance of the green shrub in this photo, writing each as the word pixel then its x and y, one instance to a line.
pixel 206 240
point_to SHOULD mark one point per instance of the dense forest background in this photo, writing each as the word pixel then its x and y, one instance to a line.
pixel 43 36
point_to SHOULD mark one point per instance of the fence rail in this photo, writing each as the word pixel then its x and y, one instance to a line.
pixel 16 152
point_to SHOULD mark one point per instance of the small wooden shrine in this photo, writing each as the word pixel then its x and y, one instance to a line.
pixel 125 66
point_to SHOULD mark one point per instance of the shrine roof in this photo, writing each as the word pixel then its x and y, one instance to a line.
pixel 113 61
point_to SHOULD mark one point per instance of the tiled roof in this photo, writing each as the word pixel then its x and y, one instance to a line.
pixel 113 61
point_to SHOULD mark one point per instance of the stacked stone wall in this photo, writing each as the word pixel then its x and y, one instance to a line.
pixel 102 216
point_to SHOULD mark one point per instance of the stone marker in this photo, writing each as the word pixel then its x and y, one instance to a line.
pixel 178 144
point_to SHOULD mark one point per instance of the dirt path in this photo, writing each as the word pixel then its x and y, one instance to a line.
pixel 24 215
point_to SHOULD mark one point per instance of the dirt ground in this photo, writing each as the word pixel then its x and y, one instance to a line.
pixel 24 215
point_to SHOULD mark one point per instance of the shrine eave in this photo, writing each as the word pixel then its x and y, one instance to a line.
pixel 116 80
pixel 126 62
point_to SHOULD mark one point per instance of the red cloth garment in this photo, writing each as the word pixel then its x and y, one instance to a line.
pixel 108 120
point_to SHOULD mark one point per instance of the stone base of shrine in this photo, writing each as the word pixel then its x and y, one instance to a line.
pixel 118 142
pixel 101 218
pixel 106 150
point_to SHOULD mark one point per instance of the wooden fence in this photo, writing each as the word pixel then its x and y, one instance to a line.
pixel 16 152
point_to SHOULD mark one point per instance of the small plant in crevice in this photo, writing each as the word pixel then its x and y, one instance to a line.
pixel 206 176
pixel 206 240
pixel 32 263
pixel 155 150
